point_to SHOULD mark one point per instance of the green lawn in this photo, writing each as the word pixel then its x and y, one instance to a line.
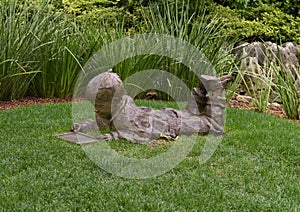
pixel 256 167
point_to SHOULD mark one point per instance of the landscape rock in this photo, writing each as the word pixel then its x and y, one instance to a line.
pixel 243 98
pixel 255 59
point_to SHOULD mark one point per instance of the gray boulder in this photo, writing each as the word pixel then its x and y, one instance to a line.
pixel 255 60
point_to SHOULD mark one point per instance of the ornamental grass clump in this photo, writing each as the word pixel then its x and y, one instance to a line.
pixel 258 86
pixel 62 62
pixel 184 21
pixel 25 35
pixel 42 50
pixel 286 81
pixel 287 89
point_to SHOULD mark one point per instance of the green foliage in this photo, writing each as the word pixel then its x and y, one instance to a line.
pixel 239 4
pixel 43 51
pixel 94 11
pixel 288 6
pixel 61 64
pixel 265 22
pixel 258 86
pixel 185 21
pixel 25 35
pixel 270 82
pixel 45 43
pixel 287 88
pixel 86 9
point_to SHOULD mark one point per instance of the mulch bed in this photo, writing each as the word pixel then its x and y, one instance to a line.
pixel 5 105
pixel 273 110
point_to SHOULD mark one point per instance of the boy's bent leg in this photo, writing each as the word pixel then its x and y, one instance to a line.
pixel 216 101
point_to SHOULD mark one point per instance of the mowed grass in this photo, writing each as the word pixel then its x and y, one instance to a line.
pixel 256 167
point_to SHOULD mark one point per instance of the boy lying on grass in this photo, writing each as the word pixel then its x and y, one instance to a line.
pixel 204 113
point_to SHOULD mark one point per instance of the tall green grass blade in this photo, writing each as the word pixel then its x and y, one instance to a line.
pixel 24 38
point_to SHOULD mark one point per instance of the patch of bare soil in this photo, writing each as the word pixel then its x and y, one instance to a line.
pixel 5 105
pixel 274 110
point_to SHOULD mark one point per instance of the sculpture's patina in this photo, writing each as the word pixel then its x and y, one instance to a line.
pixel 203 114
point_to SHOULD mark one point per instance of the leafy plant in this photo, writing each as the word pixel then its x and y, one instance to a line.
pixel 269 81
pixel 287 88
pixel 24 36
pixel 258 85
pixel 234 3
pixel 190 24
pixel 262 22
pixel 63 61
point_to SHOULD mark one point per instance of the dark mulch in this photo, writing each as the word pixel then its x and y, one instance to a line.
pixel 5 105
pixel 273 110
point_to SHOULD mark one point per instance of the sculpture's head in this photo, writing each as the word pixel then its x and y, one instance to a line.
pixel 103 90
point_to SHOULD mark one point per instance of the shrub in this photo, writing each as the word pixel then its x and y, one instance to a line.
pixel 109 11
pixel 234 3
pixel 265 22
